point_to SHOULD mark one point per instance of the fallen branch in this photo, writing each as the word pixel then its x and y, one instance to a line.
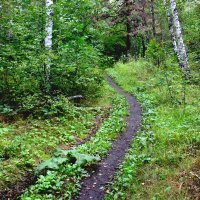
pixel 75 97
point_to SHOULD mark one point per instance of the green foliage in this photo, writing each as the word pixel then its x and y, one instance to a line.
pixel 66 156
pixel 189 19
pixel 114 41
pixel 162 149
pixel 191 28
pixel 25 143
pixel 155 52
pixel 71 166
pixel 46 106
pixel 64 172
pixel 88 35
pixel 75 57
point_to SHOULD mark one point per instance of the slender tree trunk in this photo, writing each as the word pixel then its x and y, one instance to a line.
pixel 153 18
pixel 49 31
pixel 143 46
pixel 171 30
pixel 128 27
pixel 180 44
pixel 144 23
pixel 128 37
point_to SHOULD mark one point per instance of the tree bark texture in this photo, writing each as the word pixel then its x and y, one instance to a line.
pixel 128 26
pixel 171 30
pixel 49 31
pixel 183 62
pixel 153 18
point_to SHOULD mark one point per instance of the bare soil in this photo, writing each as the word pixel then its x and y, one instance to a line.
pixel 192 181
pixel 14 191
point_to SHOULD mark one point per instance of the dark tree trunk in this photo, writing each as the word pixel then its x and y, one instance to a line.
pixel 128 38
pixel 143 47
pixel 128 26
pixel 153 18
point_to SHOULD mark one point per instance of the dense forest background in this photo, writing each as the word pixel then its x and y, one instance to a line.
pixel 59 116
pixel 87 37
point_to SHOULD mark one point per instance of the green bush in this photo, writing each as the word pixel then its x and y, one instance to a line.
pixel 75 58
pixel 155 52
pixel 46 106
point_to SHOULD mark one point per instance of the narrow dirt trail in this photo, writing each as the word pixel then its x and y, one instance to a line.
pixel 93 186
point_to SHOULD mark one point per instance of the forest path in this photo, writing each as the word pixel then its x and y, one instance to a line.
pixel 93 187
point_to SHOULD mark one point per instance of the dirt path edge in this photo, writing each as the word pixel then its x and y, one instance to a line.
pixel 93 187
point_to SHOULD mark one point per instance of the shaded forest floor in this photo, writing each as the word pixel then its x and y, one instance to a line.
pixel 25 143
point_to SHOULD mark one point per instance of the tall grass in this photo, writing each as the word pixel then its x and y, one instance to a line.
pixel 168 145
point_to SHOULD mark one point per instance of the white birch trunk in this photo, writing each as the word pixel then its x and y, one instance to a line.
pixel 171 29
pixel 180 44
pixel 49 31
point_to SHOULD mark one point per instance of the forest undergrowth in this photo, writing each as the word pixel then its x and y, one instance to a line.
pixel 25 142
pixel 163 161
pixel 54 142
pixel 60 177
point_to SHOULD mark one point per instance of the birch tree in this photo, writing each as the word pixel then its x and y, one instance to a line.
pixel 171 29
pixel 181 50
pixel 49 34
